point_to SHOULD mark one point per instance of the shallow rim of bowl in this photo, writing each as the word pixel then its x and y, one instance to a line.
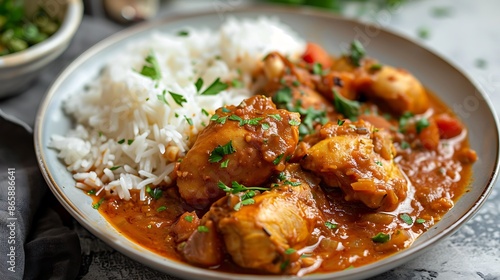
pixel 72 19
pixel 185 270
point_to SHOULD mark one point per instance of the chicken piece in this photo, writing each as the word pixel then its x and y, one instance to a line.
pixel 246 143
pixel 185 226
pixel 359 159
pixel 257 235
pixel 397 88
pixel 204 246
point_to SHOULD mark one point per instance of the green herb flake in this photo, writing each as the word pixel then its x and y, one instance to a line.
pixel 198 84
pixel 284 265
pixel 277 160
pixel 155 193
pixel 188 218
pixel 294 122
pixel 423 32
pixel 403 121
pixel 406 218
pixel 290 251
pixel 130 141
pixel 236 83
pixel 216 87
pixel 405 145
pixel 275 116
pixel 205 112
pixel 247 201
pixel 420 221
pixel 100 133
pixel 440 12
pixel 220 151
pixel 202 229
pixel 121 141
pixel 224 164
pixel 340 122
pixel 290 183
pixel 98 204
pixel 296 83
pixel 161 209
pixel 379 163
pixel 283 96
pixel 265 126
pixel 349 108
pixel 421 124
pixel 375 67
pixel 91 192
pixel 182 33
pixel 178 98
pixel 225 110
pixel 152 68
pixel 162 98
pixel 189 120
pixel 331 225
pixel 381 238
pixel 317 68
pixel 356 53
pixel 237 187
pixel 115 167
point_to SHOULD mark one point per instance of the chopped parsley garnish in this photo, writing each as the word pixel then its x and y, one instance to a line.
pixel 220 151
pixel 188 218
pixel 283 96
pixel 155 193
pixel 100 133
pixel 349 108
pixel 224 163
pixel 420 221
pixel 202 229
pixel 216 87
pixel 375 67
pixel 379 163
pixel 225 110
pixel 356 53
pixel 183 33
pixel 189 120
pixel 246 199
pixel 98 204
pixel 91 192
pixel 205 112
pixel 152 68
pixel 441 12
pixel 277 160
pixel 115 167
pixel 406 218
pixel 284 265
pixel 178 98
pixel 381 238
pixel 265 126
pixel 423 32
pixel 161 209
pixel 421 124
pixel 130 141
pixel 198 84
pixel 403 121
pixel 331 225
pixel 236 83
pixel 317 68
pixel 275 116
pixel 290 183
pixel 296 83
pixel 254 121
pixel 121 141
pixel 293 122
pixel 162 98
pixel 340 122
pixel 290 251
pixel 405 145
pixel 237 187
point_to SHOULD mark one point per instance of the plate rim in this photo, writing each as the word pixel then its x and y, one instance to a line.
pixel 182 269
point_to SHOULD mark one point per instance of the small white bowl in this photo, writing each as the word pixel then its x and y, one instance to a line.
pixel 19 69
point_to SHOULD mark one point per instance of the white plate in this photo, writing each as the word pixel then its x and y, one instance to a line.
pixel 332 32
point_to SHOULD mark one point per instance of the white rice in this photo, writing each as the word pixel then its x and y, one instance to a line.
pixel 121 105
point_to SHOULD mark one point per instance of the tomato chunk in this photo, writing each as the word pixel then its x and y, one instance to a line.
pixel 316 54
pixel 448 126
pixel 429 136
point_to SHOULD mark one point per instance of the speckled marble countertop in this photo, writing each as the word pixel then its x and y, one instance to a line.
pixel 465 32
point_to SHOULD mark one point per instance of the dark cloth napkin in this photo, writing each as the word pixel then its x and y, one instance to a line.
pixel 35 244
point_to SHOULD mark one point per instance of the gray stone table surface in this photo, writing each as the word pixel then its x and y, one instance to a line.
pixel 465 32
